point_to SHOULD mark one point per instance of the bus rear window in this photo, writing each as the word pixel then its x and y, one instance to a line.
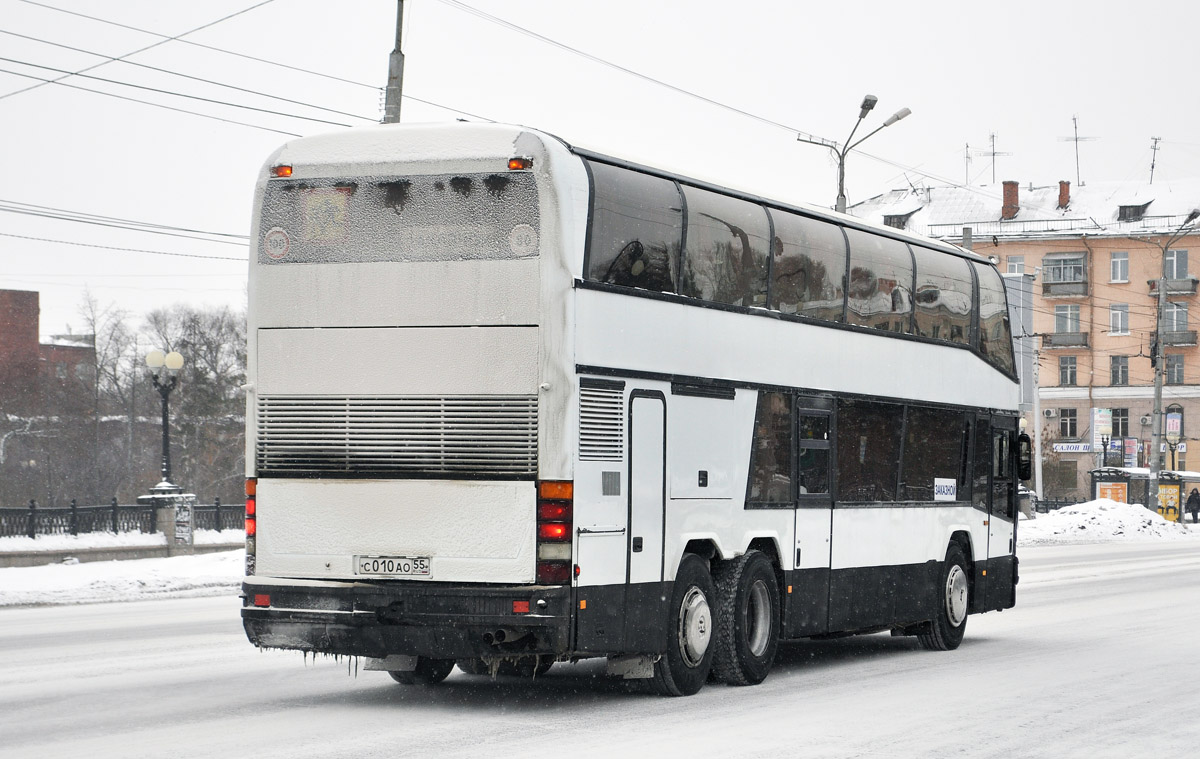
pixel 414 218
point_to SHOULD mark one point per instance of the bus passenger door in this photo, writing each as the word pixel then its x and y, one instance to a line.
pixel 645 602
pixel 1002 514
pixel 807 592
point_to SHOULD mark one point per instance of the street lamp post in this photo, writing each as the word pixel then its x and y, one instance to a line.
pixel 868 103
pixel 164 374
pixel 1157 360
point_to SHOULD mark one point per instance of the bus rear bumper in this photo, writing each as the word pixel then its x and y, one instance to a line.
pixel 381 619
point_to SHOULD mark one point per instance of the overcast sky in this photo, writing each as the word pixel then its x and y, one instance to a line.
pixel 612 76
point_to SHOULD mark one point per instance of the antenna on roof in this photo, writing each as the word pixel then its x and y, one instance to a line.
pixel 993 153
pixel 1153 155
pixel 1076 139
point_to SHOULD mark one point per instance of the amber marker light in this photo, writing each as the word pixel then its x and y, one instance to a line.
pixel 560 490
pixel 519 164
pixel 282 171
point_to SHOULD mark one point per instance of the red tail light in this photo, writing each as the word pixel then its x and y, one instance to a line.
pixel 251 523
pixel 554 520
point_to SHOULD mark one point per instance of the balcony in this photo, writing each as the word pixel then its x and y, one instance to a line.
pixel 1180 337
pixel 1069 340
pixel 1059 289
pixel 1175 286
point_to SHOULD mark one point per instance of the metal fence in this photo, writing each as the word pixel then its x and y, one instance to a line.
pixel 1046 505
pixel 34 520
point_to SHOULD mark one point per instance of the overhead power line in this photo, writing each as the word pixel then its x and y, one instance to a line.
pixel 167 92
pixel 130 250
pixel 185 76
pixel 139 50
pixel 132 226
pixel 167 38
pixel 151 103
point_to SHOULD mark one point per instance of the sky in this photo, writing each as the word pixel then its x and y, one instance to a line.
pixel 715 91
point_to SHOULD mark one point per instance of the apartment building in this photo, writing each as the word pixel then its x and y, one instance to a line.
pixel 1097 253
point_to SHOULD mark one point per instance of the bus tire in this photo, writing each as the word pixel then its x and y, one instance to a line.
pixel 684 666
pixel 427 672
pixel 747 634
pixel 946 630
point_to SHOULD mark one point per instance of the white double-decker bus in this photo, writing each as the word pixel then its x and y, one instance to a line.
pixel 514 403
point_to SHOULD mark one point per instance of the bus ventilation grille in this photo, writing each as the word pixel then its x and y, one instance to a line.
pixel 601 424
pixel 492 436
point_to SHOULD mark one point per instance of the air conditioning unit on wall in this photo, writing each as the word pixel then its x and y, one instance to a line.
pixel 1147 419
pixel 1050 413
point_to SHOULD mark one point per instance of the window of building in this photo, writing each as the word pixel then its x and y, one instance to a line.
pixel 1120 423
pixel 771 459
pixel 1174 369
pixel 1059 267
pixel 1175 264
pixel 1016 264
pixel 1066 370
pixel 1132 213
pixel 1118 319
pixel 1120 266
pixel 1066 318
pixel 1068 423
pixel 1120 370
pixel 1175 317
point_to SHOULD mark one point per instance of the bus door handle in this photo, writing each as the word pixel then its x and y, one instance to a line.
pixel 605 529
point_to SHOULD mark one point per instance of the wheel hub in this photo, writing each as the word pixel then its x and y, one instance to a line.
pixel 956 595
pixel 758 617
pixel 695 627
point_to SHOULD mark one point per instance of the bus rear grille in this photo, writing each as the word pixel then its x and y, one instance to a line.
pixel 493 436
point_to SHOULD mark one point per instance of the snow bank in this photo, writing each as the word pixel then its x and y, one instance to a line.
pixel 208 574
pixel 1101 521
pixel 113 540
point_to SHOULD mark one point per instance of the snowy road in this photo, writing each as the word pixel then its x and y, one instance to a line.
pixel 1097 660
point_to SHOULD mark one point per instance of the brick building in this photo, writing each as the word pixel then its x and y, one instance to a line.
pixel 1097 253
pixel 30 367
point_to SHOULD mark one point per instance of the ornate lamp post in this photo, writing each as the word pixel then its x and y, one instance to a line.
pixel 164 374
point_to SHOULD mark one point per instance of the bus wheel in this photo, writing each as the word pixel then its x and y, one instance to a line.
pixel 427 672
pixel 954 596
pixel 747 619
pixel 683 668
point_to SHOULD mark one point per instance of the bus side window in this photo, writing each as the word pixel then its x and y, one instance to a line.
pixel 725 252
pixel 637 229
pixel 995 333
pixel 868 456
pixel 808 268
pixel 880 285
pixel 943 296
pixel 771 452
pixel 812 453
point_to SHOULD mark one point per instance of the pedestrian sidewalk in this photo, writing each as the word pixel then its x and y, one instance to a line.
pixel 106 546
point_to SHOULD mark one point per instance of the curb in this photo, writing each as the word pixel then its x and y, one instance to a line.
pixel 112 553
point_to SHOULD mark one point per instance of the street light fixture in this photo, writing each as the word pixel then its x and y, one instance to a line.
pixel 164 374
pixel 868 103
pixel 1157 359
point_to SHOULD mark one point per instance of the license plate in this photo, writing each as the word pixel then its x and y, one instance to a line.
pixel 392 566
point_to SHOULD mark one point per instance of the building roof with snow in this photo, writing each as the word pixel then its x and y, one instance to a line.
pixel 1012 210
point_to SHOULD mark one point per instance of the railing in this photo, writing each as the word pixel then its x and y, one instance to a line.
pixel 1046 505
pixel 33 520
pixel 1185 286
pixel 1065 340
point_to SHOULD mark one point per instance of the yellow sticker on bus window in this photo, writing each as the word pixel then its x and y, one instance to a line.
pixel 326 212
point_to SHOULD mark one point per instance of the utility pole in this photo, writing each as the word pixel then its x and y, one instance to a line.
pixel 1153 155
pixel 391 102
pixel 1158 362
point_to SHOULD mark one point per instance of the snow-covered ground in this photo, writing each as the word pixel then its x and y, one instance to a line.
pixel 220 573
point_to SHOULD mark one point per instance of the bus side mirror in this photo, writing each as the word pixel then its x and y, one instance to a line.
pixel 1024 456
